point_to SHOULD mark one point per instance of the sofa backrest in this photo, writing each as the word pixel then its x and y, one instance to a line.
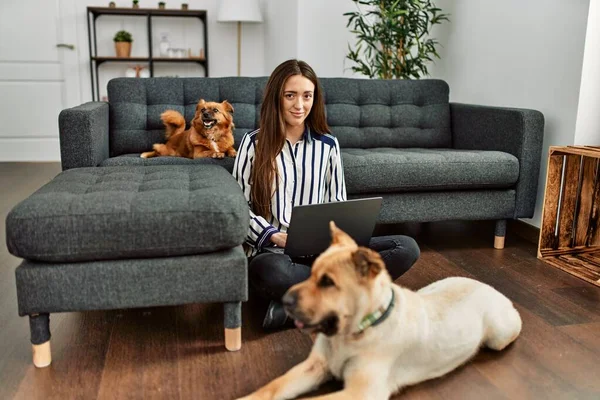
pixel 362 113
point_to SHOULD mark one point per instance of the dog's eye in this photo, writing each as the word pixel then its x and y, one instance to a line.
pixel 326 281
pixel 204 109
pixel 215 110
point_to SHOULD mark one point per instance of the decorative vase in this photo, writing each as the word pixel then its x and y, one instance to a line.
pixel 161 6
pixel 123 49
pixel 184 6
pixel 112 4
pixel 164 45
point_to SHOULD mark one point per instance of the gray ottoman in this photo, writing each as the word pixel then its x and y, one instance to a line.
pixel 123 237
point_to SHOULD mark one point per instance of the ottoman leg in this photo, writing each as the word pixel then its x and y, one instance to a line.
pixel 500 234
pixel 39 325
pixel 233 325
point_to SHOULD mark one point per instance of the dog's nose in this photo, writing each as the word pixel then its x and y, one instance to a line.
pixel 290 299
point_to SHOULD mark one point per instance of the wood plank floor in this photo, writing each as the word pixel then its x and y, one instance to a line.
pixel 178 353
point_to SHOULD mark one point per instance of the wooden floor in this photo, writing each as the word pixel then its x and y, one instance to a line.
pixel 178 353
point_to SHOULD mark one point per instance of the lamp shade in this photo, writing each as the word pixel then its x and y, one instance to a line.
pixel 239 11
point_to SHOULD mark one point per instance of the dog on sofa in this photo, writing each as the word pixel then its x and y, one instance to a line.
pixel 210 133
pixel 379 337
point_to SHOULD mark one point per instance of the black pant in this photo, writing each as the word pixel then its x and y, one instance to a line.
pixel 271 275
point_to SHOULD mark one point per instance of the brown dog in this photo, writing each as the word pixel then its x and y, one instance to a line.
pixel 379 337
pixel 211 133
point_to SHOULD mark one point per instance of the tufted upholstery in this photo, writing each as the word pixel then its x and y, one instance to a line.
pixel 362 113
pixel 126 212
pixel 365 113
pixel 136 105
pixel 397 136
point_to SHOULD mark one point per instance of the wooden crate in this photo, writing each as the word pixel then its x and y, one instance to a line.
pixel 570 235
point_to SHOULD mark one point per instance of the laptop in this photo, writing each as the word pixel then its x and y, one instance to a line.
pixel 309 235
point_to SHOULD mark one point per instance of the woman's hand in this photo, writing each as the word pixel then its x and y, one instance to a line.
pixel 279 239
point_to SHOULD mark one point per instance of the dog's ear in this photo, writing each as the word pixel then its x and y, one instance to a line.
pixel 368 263
pixel 338 236
pixel 200 105
pixel 228 107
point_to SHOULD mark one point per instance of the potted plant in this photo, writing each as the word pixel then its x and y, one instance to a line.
pixel 112 4
pixel 123 41
pixel 135 4
pixel 161 5
pixel 393 40
pixel 184 6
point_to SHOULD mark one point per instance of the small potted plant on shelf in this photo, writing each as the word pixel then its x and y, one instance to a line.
pixel 123 41
pixel 135 4
pixel 161 5
pixel 184 6
pixel 112 4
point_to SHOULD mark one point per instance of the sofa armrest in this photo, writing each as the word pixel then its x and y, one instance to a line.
pixel 519 132
pixel 83 135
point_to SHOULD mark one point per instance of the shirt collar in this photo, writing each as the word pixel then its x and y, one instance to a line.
pixel 307 135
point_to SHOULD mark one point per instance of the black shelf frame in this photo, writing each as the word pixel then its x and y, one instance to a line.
pixel 95 61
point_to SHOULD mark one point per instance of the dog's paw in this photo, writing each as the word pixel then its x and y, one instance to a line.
pixel 218 155
pixel 231 153
pixel 258 395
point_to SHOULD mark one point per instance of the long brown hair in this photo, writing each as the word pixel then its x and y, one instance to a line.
pixel 271 137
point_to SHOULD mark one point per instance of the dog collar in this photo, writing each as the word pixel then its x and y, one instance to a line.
pixel 377 316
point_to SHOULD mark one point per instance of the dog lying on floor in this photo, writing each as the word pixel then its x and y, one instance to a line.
pixel 210 133
pixel 379 337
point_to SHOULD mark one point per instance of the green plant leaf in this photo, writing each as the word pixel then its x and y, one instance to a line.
pixel 393 37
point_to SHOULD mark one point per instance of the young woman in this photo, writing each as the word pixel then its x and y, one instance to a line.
pixel 292 160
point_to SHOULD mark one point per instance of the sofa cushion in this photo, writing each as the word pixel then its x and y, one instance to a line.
pixel 135 106
pixel 372 113
pixel 391 170
pixel 129 212
pixel 363 113
pixel 135 159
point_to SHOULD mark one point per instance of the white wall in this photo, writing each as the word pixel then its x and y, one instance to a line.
pixel 281 32
pixel 519 54
pixel 323 39
pixel 512 53
pixel 587 130
pixel 187 33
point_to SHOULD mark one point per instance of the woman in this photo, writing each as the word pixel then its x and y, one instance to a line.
pixel 292 160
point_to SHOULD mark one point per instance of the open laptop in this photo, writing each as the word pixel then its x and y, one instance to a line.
pixel 309 235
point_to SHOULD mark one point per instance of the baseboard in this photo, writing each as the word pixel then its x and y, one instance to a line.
pixel 29 149
pixel 524 230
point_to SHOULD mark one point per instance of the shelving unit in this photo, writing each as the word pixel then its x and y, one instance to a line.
pixel 95 60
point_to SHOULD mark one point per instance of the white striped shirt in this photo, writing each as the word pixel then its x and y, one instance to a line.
pixel 309 172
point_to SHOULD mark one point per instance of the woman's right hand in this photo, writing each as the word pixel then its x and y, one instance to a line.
pixel 279 239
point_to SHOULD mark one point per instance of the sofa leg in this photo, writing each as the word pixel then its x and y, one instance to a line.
pixel 233 325
pixel 39 326
pixel 500 234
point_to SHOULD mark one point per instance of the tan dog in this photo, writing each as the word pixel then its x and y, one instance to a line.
pixel 211 133
pixel 409 337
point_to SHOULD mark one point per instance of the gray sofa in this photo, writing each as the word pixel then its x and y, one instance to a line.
pixel 428 158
